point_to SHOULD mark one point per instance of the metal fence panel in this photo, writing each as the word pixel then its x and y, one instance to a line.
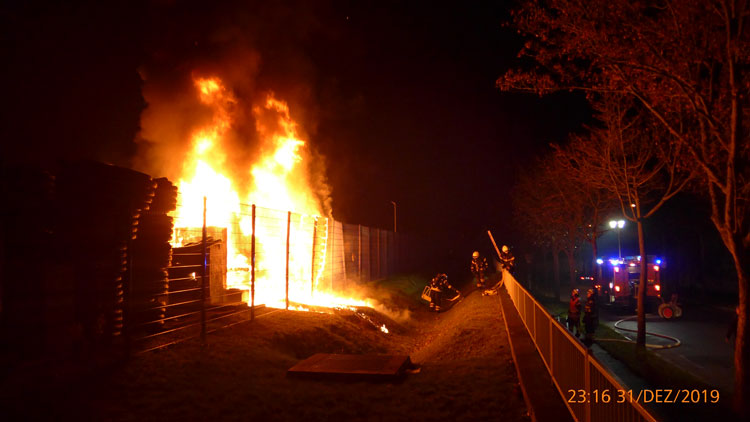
pixel 573 369
pixel 613 403
pixel 542 324
pixel 569 365
pixel 294 255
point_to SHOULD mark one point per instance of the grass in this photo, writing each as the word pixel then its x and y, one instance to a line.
pixel 407 285
pixel 467 372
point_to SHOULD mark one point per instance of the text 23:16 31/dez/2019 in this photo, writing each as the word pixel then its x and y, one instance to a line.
pixel 644 396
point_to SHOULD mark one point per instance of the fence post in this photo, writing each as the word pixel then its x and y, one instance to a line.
pixel 332 236
pixel 387 255
pixel 396 253
pixel 312 265
pixel 288 226
pixel 203 276
pixel 359 252
pixel 378 247
pixel 551 350
pixel 343 257
pixel 252 270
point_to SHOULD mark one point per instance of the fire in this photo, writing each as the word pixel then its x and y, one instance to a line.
pixel 278 184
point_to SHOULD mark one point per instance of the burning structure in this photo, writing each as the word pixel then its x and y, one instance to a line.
pixel 264 198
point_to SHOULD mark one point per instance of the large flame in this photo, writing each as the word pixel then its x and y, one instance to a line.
pixel 276 185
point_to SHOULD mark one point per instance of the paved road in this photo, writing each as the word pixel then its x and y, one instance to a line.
pixel 701 330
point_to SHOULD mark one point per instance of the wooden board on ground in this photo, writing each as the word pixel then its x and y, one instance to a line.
pixel 352 367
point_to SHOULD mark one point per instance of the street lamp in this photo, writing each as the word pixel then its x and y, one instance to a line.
pixel 618 224
pixel 394 216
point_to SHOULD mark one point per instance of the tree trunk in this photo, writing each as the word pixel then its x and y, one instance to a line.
pixel 596 272
pixel 556 272
pixel 741 397
pixel 571 268
pixel 596 268
pixel 640 340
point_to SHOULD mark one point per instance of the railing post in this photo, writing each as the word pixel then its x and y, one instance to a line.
pixel 288 226
pixel 533 318
pixel 203 276
pixel 359 252
pixel 551 350
pixel 252 269
pixel 587 383
pixel 312 265
pixel 332 235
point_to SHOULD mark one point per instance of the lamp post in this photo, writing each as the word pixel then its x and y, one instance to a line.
pixel 618 224
pixel 394 216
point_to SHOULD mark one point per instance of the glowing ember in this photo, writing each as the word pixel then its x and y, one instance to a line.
pixel 278 181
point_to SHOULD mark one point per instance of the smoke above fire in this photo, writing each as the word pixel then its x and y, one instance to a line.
pixel 218 83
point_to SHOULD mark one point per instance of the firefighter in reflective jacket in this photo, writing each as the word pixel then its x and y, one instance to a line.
pixel 590 315
pixel 574 313
pixel 439 287
pixel 507 260
pixel 478 268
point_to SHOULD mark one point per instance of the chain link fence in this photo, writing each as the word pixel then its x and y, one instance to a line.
pixel 264 258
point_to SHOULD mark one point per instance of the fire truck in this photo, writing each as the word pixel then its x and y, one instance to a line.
pixel 620 278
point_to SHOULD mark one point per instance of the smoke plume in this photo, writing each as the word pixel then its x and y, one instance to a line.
pixel 254 49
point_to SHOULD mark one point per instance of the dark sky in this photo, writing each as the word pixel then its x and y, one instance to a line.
pixel 398 96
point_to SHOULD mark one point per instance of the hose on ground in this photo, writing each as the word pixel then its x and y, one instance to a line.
pixel 675 341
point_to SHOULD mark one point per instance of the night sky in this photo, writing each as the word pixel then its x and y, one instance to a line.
pixel 399 97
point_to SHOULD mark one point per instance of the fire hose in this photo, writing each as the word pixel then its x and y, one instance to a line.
pixel 676 341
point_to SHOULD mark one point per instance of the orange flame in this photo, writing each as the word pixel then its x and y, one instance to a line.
pixel 278 182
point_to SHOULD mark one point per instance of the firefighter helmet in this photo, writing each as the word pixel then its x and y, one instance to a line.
pixel 505 249
pixel 475 255
pixel 590 292
pixel 574 293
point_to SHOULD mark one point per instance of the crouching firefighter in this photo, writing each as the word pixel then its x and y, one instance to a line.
pixel 439 288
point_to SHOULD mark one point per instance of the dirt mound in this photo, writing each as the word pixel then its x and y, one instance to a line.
pixel 473 328
pixel 341 332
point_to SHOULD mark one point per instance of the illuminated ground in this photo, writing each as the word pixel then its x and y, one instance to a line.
pixel 466 373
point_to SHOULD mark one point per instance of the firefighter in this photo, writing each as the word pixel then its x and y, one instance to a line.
pixel 439 287
pixel 478 268
pixel 574 313
pixel 590 315
pixel 507 260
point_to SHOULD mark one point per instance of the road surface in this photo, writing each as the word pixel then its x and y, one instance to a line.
pixel 703 352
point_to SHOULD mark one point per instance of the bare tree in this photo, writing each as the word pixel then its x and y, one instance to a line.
pixel 552 209
pixel 685 62
pixel 628 157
